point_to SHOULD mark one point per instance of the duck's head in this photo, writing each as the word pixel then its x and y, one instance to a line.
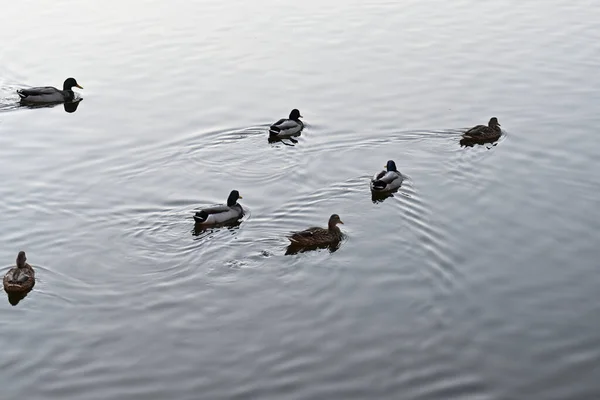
pixel 391 166
pixel 70 83
pixel 334 220
pixel 233 198
pixel 295 114
pixel 493 122
pixel 21 259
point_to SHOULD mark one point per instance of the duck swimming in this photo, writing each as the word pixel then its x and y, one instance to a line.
pixel 484 133
pixel 387 180
pixel 223 213
pixel 287 127
pixel 21 278
pixel 49 94
pixel 316 236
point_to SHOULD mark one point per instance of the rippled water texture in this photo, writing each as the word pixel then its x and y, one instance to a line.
pixel 477 280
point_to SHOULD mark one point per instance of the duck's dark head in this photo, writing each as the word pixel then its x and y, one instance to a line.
pixel 70 83
pixel 391 166
pixel 295 115
pixel 233 198
pixel 334 220
pixel 493 122
pixel 21 259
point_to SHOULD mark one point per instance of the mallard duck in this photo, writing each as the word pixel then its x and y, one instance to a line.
pixel 19 279
pixel 223 213
pixel 387 180
pixel 49 94
pixel 481 132
pixel 287 127
pixel 319 236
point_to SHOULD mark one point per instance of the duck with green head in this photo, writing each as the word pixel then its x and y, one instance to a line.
pixel 291 126
pixel 230 212
pixel 387 180
pixel 49 94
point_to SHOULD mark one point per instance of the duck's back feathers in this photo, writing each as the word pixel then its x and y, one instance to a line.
pixel 297 237
pixel 37 91
pixel 316 236
pixel 479 130
pixel 219 214
pixel 490 132
pixel 286 127
pixel 19 280
pixel 46 94
pixel 386 181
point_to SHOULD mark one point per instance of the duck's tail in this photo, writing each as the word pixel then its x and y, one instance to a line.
pixel 274 130
pixel 201 216
pixel 379 185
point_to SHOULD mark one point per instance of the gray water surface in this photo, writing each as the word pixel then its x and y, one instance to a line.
pixel 477 280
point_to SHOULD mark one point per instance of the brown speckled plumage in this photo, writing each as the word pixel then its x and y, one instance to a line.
pixel 15 281
pixel 484 133
pixel 319 236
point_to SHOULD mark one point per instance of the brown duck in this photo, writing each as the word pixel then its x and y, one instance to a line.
pixel 21 278
pixel 319 236
pixel 483 133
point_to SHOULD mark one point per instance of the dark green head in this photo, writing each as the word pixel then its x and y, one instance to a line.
pixel 70 83
pixel 295 115
pixel 21 259
pixel 233 198
pixel 391 166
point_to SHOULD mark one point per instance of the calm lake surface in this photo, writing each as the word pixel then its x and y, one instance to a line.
pixel 477 280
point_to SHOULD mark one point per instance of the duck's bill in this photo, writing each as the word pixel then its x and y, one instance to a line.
pixel 240 197
pixel 302 116
pixel 499 124
pixel 341 222
pixel 80 87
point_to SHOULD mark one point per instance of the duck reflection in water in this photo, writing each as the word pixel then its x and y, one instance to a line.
pixel 201 231
pixel 273 140
pixel 69 106
pixel 379 197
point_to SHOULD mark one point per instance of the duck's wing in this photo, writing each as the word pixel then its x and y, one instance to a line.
pixel 218 214
pixel 307 234
pixel 216 209
pixel 37 91
pixel 379 175
pixel 386 181
pixel 46 94
pixel 390 176
pixel 310 232
pixel 278 123
pixel 286 126
pixel 476 130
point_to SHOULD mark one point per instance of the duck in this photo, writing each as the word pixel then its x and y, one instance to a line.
pixel 287 127
pixel 316 236
pixel 388 179
pixel 482 133
pixel 21 278
pixel 49 94
pixel 230 212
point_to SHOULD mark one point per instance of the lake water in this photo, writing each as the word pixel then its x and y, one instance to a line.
pixel 478 279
